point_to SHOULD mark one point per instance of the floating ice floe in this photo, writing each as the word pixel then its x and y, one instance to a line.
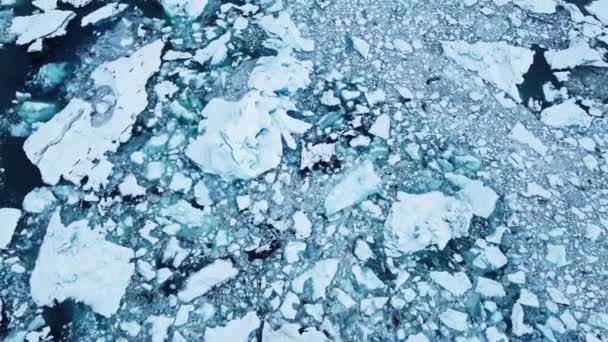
pixel 292 332
pixel 236 330
pixel 74 142
pixel 183 212
pixel 9 218
pixel 481 198
pixel 457 284
pixel 355 186
pixel 565 114
pixel 320 276
pixel 203 280
pixel 36 27
pixel 184 8
pixel 243 139
pixel 77 3
pixel 419 221
pixel 496 62
pixel 522 135
pixel 102 13
pixel 313 154
pixel 39 200
pixel 538 6
pixel 77 263
pixel 579 53
pixel 280 74
pixel 215 52
pixel 599 8
pixel 283 29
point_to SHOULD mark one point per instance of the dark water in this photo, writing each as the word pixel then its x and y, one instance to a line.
pixel 538 74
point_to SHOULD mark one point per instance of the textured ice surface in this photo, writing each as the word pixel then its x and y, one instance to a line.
pixel 75 262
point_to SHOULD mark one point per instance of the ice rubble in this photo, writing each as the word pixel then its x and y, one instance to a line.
pixel 37 27
pixel 102 13
pixel 205 279
pixel 74 142
pixel 184 8
pixel 283 29
pixel 237 330
pixel 78 263
pixel 418 221
pixel 9 218
pixel 355 186
pixel 496 62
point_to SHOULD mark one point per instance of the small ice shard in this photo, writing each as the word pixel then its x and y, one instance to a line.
pixel 496 62
pixel 183 212
pixel 280 74
pixel 417 221
pixel 284 29
pixel 537 6
pixel 599 8
pixel 361 46
pixel 77 262
pixel 130 187
pixel 184 8
pixel 579 53
pixel 39 200
pixel 9 218
pixel 456 320
pixel 522 135
pixel 355 186
pixel 313 154
pixel 215 52
pixel 36 27
pixel 292 332
pixel 381 127
pixel 236 330
pixel 565 114
pixel 203 280
pixel 103 13
pixel 241 139
pixel 320 275
pixel 481 198
pixel 457 283
pixel 71 145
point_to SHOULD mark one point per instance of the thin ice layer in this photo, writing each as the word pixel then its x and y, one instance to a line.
pixel 496 62
pixel 417 221
pixel 355 186
pixel 39 26
pixel 77 263
pixel 70 145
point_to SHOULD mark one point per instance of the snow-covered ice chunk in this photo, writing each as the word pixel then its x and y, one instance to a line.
pixel 418 221
pixel 565 114
pixel 285 30
pixel 496 62
pixel 301 225
pixel 237 330
pixel 78 263
pixel 215 52
pixel 456 320
pixel 130 187
pixel 38 200
pixel 39 26
pixel 184 8
pixel 280 74
pixel 73 143
pixel 320 275
pixel 457 283
pixel 292 332
pixel 481 198
pixel 579 53
pixel 9 217
pixel 355 186
pixel 203 280
pixel 522 135
pixel 102 13
pixel 361 46
pixel 381 127
pixel 538 6
pixel 489 288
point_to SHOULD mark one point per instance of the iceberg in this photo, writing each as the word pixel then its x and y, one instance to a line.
pixel 37 27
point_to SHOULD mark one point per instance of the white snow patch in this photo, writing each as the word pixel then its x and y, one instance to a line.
pixel 78 263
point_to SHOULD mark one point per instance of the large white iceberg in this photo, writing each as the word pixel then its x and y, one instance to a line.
pixel 72 146
pixel 417 221
pixel 76 262
pixel 496 62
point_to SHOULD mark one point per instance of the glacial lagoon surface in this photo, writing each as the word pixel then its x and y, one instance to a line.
pixel 304 170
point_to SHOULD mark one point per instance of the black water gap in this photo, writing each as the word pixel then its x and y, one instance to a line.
pixel 539 74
